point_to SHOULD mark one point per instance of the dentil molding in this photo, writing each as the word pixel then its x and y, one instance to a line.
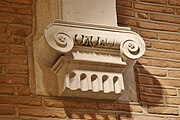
pixel 85 60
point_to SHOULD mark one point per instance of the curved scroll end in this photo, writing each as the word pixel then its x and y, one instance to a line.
pixel 59 41
pixel 132 49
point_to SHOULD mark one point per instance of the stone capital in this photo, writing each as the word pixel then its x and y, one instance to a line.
pixel 86 59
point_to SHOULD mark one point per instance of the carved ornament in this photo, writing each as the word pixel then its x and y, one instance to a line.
pixel 85 60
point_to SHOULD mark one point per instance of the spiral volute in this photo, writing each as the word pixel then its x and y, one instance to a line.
pixel 61 42
pixel 132 49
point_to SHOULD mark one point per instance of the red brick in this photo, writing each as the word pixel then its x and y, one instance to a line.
pixel 170 37
pixel 23 91
pixel 1 69
pixel 158 26
pixel 123 21
pixel 172 100
pixel 135 30
pixel 19 1
pixel 174 2
pixel 20 50
pixel 158 81
pixel 155 1
pixel 148 44
pixel 165 18
pixel 7 9
pixel 157 90
pixel 120 107
pixel 15 80
pixel 108 106
pixel 16 19
pixel 159 63
pixel 178 11
pixel 6 118
pixel 151 71
pixel 19 10
pixel 26 10
pixel 79 104
pixel 12 40
pixel 166 46
pixel 143 15
pixel 123 11
pixel 20 60
pixel 21 31
pixel 162 54
pixel 128 107
pixel 151 99
pixel 123 3
pixel 53 103
pixel 140 117
pixel 7 110
pixel 24 20
pixel 174 73
pixel 164 110
pixel 20 101
pixel 152 8
pixel 40 112
pixel 7 90
pixel 3 49
pixel 148 34
pixel 148 80
pixel 17 69
pixel 3 28
pixel 69 104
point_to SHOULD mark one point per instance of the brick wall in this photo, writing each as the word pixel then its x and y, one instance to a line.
pixel 158 71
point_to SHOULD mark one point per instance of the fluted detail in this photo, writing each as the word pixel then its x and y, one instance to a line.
pixel 96 82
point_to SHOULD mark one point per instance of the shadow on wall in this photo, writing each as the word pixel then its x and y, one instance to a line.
pixel 149 88
pixel 149 96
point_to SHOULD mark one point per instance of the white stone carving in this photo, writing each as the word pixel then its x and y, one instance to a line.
pixel 95 81
pixel 94 41
pixel 85 60
pixel 61 42
pixel 132 49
